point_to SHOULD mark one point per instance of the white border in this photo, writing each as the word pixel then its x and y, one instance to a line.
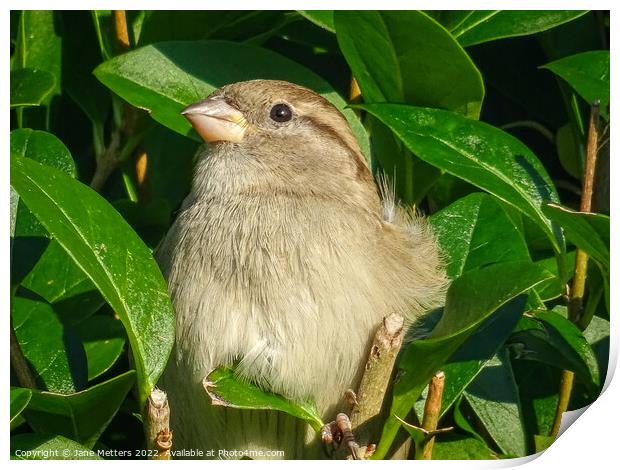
pixel 591 442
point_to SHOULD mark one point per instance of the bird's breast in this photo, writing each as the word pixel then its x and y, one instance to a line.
pixel 284 289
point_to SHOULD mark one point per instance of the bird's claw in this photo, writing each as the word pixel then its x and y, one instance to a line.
pixel 339 434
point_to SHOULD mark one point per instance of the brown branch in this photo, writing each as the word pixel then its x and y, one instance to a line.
pixel 577 290
pixel 122 141
pixel 377 375
pixel 106 162
pixel 121 31
pixel 20 364
pixel 157 426
pixel 432 410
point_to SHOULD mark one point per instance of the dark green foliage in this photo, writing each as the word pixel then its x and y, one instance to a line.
pixel 479 118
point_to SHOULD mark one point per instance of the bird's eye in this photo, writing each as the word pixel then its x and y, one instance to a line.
pixel 281 113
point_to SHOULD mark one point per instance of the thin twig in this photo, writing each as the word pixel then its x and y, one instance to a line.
pixel 432 409
pixel 577 290
pixel 20 364
pixel 376 379
pixel 157 426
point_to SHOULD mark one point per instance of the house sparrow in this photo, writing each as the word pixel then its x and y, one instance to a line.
pixel 283 260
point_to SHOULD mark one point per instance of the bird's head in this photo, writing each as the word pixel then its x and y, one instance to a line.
pixel 290 134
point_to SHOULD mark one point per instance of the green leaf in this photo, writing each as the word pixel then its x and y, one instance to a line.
pixel 61 282
pixel 188 25
pixel 45 148
pixel 483 26
pixel 42 147
pixel 81 416
pixel 449 19
pixel 554 288
pixel 181 79
pixel 587 73
pixel 586 230
pixel 30 87
pixel 227 389
pixel 30 239
pixel 322 18
pixel 103 338
pixel 475 231
pixel 459 447
pixel 538 392
pixel 471 358
pixel 407 57
pixel 478 153
pixel 39 45
pixel 569 153
pixel 113 257
pixel 494 397
pixel 471 300
pixel 53 350
pixel 19 399
pixel 48 447
pixel 597 335
pixel 552 339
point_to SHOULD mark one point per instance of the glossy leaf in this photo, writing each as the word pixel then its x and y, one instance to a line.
pixel 110 253
pixel 42 147
pixel 407 57
pixel 538 393
pixel 185 25
pixel 587 231
pixel 449 19
pixel 471 299
pixel 475 231
pixel 19 400
pixel 322 18
pixel 471 358
pixel 226 389
pixel 182 80
pixel 597 335
pixel 45 148
pixel 554 288
pixel 61 282
pixel 30 87
pixel 48 447
pixel 552 339
pixel 478 153
pixel 483 26
pixel 459 447
pixel 39 45
pixel 494 397
pixel 570 154
pixel 80 416
pixel 587 73
pixel 53 351
pixel 103 338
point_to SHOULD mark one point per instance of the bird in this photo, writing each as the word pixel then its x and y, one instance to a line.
pixel 283 260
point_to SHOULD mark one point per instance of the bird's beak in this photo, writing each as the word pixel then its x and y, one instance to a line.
pixel 215 120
